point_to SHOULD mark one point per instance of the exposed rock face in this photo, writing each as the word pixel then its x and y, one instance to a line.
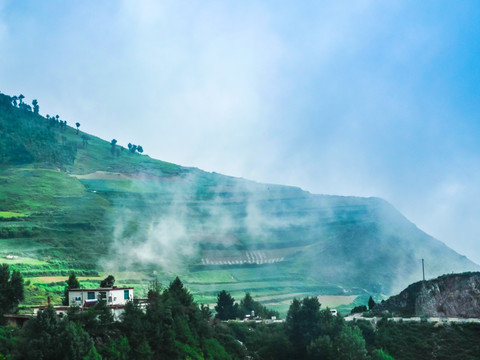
pixel 455 295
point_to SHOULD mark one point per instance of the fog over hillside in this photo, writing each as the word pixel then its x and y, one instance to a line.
pixel 354 98
pixel 74 202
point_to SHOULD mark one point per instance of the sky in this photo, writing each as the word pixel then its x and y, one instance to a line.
pixel 362 98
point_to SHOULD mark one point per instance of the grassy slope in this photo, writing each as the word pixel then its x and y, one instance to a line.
pixel 56 218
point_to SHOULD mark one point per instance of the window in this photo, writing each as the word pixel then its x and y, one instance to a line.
pixel 103 295
pixel 126 294
pixel 90 295
pixel 109 299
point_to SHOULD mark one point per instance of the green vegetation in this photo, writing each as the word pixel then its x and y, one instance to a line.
pixel 173 326
pixel 11 290
pixel 71 201
pixel 10 214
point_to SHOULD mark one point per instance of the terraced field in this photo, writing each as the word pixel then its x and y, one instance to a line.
pixel 71 201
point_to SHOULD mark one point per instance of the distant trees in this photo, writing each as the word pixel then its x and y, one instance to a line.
pixel 249 305
pixel 24 106
pixel 134 148
pixel 371 303
pixel 36 108
pixel 226 308
pixel 11 290
pixel 77 124
pixel 358 309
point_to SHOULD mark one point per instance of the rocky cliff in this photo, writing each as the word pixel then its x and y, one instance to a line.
pixel 454 295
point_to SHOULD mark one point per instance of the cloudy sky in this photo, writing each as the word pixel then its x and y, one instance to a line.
pixel 365 98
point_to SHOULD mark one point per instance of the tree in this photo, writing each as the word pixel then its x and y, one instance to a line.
pixel 178 293
pixel 36 108
pixel 20 99
pixel 226 308
pixel 85 139
pixel 359 309
pixel 320 348
pixel 113 143
pixel 11 290
pixel 134 326
pixel 48 337
pixel 349 345
pixel 14 100
pixel 108 282
pixel 303 323
pixel 72 283
pixel 140 149
pixel 371 303
pixel 77 124
pixel 248 304
pixel 133 148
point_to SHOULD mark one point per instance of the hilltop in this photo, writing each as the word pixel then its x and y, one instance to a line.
pixel 72 201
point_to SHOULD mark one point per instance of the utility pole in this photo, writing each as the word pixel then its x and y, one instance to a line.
pixel 423 269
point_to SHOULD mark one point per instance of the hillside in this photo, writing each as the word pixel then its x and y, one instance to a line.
pixel 453 295
pixel 72 201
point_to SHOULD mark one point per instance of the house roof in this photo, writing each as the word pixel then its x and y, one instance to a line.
pixel 103 289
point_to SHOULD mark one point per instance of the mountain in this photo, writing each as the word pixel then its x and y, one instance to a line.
pixel 452 295
pixel 72 201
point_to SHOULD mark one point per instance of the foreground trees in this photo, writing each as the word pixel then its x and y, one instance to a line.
pixel 11 290
pixel 49 337
pixel 172 326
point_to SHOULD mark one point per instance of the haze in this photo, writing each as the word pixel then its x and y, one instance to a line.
pixel 356 98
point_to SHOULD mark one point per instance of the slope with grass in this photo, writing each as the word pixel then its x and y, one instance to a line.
pixel 72 201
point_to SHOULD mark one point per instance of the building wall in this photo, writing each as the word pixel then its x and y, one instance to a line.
pixel 118 296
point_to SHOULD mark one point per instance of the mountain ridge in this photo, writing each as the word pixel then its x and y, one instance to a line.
pixel 92 206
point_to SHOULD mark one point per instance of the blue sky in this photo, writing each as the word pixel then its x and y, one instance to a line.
pixel 365 98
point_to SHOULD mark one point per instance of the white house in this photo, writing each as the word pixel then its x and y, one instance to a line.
pixel 115 296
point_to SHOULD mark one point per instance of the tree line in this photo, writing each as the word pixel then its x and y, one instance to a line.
pixel 173 326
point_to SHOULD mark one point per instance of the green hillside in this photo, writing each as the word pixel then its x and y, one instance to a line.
pixel 72 201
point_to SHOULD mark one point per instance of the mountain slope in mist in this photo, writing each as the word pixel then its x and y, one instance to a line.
pixel 71 201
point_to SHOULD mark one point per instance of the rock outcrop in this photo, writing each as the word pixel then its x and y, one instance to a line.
pixel 454 295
